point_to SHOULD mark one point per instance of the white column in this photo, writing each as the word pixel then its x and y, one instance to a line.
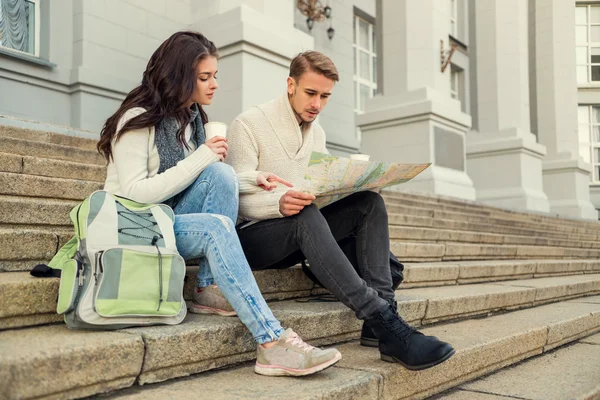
pixel 415 120
pixel 566 175
pixel 503 158
pixel 256 40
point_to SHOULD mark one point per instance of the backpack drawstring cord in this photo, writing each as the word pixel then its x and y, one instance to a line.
pixel 160 271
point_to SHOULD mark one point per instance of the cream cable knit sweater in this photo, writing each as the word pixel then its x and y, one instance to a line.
pixel 268 138
pixel 132 172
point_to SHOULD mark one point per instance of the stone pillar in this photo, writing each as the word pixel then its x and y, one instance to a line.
pixel 254 61
pixel 503 158
pixel 566 175
pixel 414 119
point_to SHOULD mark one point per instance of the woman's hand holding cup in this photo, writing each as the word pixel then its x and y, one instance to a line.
pixel 219 146
pixel 216 138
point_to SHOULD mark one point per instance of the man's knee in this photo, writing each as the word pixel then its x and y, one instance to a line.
pixel 370 200
pixel 311 217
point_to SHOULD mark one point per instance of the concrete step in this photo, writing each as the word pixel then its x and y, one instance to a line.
pixel 482 346
pixel 67 364
pixel 25 147
pixel 57 363
pixel 467 272
pixel 417 221
pixel 22 245
pixel 556 225
pixel 452 251
pixel 32 301
pixel 48 136
pixel 49 146
pixel 46 187
pixel 429 202
pixel 24 217
pixel 28 165
pixel 29 247
pixel 456 205
pixel 504 229
pixel 455 302
pixel 570 372
pixel 27 185
pixel 465 217
pixel 32 230
pixel 35 212
pixel 30 186
pixel 22 188
pixel 411 233
pixel 30 215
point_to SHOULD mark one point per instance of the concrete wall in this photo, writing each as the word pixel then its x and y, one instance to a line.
pixel 99 49
pixel 33 91
pixel 254 62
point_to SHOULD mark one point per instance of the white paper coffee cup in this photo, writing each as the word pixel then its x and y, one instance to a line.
pixel 215 128
pixel 360 157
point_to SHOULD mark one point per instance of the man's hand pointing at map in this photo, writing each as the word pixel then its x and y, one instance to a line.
pixel 268 181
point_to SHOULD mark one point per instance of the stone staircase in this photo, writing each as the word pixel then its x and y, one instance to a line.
pixel 501 286
pixel 571 372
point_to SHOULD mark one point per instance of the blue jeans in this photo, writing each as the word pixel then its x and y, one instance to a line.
pixel 205 229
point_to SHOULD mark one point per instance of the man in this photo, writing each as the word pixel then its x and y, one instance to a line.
pixel 283 227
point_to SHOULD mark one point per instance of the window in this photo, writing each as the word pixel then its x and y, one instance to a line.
pixel 454 82
pixel 587 31
pixel 365 63
pixel 589 138
pixel 453 16
pixel 19 25
pixel 457 86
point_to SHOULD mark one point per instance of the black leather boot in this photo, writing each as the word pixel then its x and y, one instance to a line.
pixel 401 343
pixel 367 336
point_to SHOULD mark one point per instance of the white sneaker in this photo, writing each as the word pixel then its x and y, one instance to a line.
pixel 291 356
pixel 210 300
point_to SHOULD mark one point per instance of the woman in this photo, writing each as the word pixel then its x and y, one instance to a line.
pixel 157 153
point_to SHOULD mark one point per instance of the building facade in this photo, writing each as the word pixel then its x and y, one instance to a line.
pixel 501 96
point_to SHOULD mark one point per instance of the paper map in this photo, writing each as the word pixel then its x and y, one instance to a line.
pixel 332 178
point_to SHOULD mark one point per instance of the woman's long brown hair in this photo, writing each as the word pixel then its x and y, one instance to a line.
pixel 167 85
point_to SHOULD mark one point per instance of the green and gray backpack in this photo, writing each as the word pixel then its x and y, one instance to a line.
pixel 121 268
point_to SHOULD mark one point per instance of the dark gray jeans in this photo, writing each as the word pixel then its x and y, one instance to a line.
pixel 314 234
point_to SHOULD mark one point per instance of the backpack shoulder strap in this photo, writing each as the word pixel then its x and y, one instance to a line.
pixel 66 252
pixel 44 271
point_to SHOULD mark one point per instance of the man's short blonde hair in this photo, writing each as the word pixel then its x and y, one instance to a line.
pixel 314 61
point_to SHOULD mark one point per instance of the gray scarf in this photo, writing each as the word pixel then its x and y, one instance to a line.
pixel 170 150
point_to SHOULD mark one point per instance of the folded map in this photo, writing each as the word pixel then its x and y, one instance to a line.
pixel 331 178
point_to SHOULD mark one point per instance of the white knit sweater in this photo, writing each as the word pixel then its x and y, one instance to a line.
pixel 268 138
pixel 132 172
